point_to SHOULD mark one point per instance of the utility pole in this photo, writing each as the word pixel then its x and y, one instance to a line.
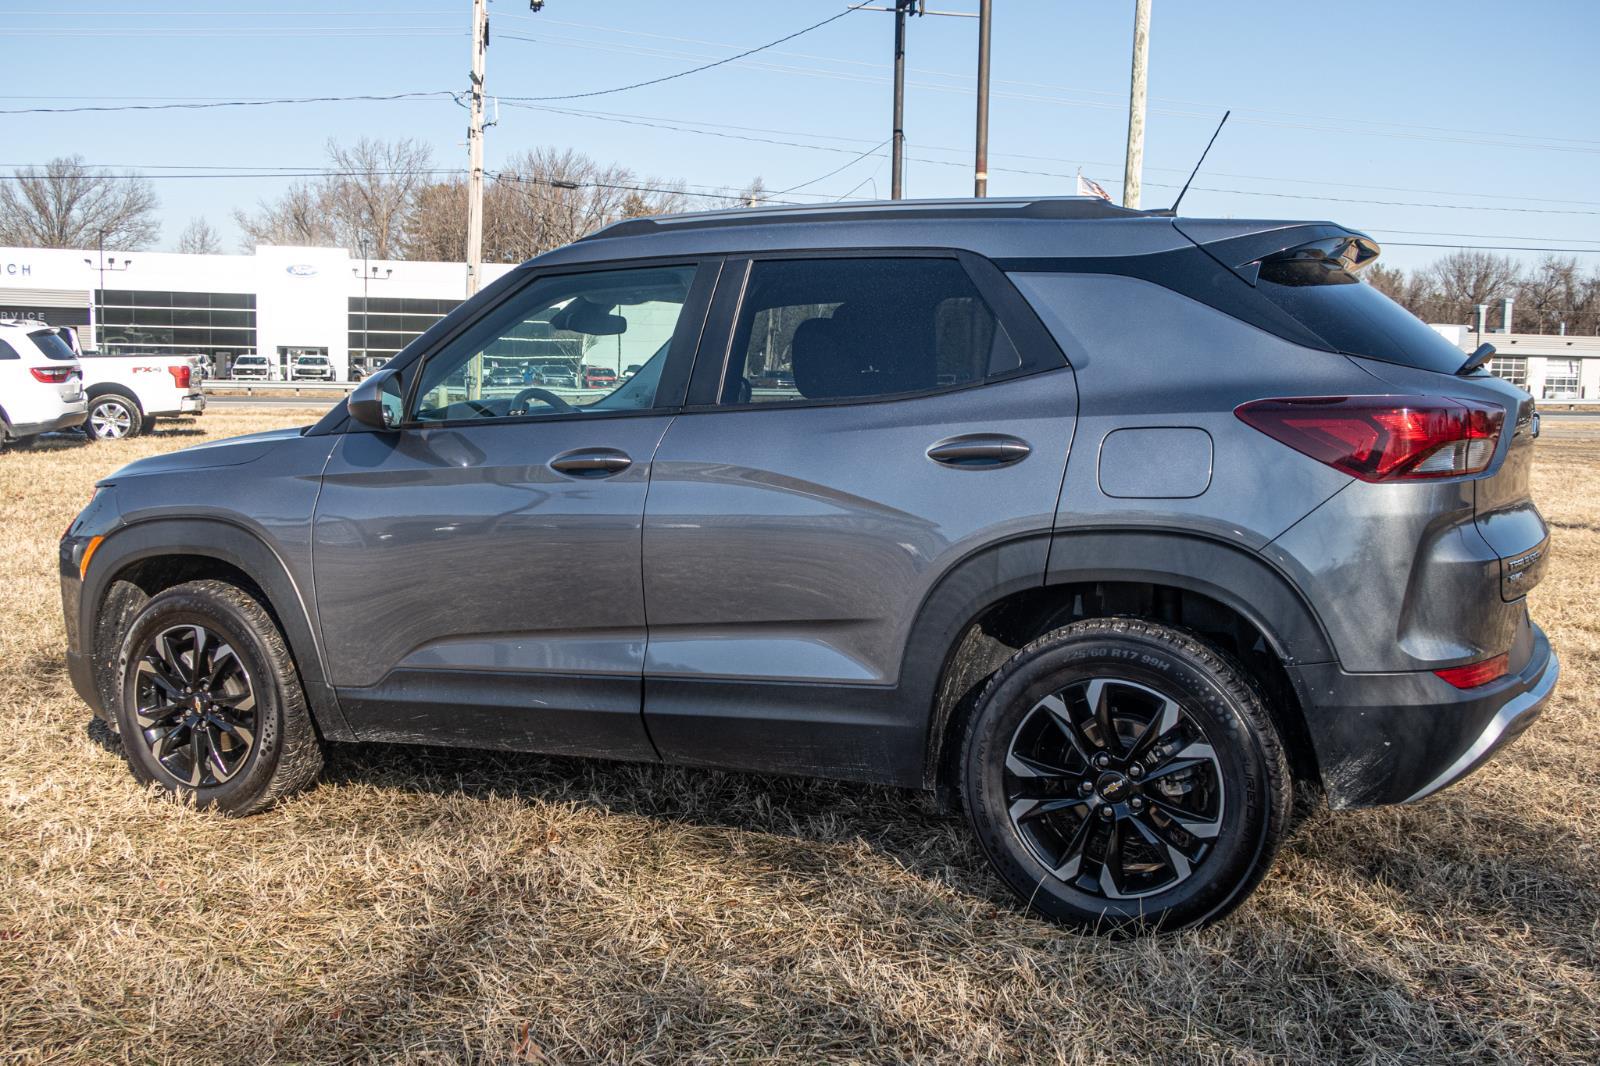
pixel 897 155
pixel 1133 168
pixel 480 45
pixel 980 168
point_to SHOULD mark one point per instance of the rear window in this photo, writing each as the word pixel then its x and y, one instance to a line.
pixel 51 344
pixel 1351 316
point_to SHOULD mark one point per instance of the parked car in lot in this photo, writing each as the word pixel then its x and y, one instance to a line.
pixel 251 366
pixel 41 383
pixel 311 368
pixel 1122 532
pixel 554 375
pixel 599 377
pixel 631 369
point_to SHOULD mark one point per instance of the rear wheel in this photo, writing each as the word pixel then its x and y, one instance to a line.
pixel 113 416
pixel 209 704
pixel 1125 777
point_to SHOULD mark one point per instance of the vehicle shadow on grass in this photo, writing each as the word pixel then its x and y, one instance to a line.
pixel 904 825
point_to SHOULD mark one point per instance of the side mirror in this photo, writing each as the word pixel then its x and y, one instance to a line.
pixel 375 402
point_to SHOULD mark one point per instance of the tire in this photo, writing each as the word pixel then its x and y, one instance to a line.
pixel 113 416
pixel 255 742
pixel 1192 828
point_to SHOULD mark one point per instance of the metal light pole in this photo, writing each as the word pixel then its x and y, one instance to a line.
pixel 97 303
pixel 980 167
pixel 897 153
pixel 1133 167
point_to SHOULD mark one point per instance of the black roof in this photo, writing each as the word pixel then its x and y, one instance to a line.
pixel 1048 207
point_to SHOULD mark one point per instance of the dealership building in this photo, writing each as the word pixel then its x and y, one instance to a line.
pixel 284 302
pixel 279 302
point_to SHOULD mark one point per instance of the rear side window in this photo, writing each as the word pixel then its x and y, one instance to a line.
pixel 8 352
pixel 1351 316
pixel 52 345
pixel 858 328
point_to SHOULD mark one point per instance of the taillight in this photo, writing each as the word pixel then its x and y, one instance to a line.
pixel 1474 674
pixel 51 375
pixel 180 375
pixel 1384 438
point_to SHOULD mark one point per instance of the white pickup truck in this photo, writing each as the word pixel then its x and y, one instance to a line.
pixel 128 392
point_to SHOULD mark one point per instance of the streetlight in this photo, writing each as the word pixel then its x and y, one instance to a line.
pixel 368 273
pixel 97 304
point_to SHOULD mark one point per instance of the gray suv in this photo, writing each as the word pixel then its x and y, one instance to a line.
pixel 1128 534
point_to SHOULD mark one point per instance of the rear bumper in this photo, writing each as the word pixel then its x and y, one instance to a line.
pixel 193 404
pixel 75 415
pixel 1398 738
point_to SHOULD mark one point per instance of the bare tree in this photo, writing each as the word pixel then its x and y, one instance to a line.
pixel 754 194
pixel 375 190
pixel 198 238
pixel 1465 279
pixel 367 200
pixel 65 204
pixel 547 197
pixel 438 226
pixel 299 216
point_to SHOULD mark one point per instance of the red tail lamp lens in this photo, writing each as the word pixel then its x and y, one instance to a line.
pixel 1474 674
pixel 180 375
pixel 51 375
pixel 1384 438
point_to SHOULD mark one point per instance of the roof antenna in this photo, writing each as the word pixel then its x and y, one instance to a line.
pixel 1173 210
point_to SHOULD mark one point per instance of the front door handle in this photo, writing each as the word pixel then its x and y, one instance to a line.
pixel 979 451
pixel 591 462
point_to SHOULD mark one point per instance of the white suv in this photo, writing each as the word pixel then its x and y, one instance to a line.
pixel 251 366
pixel 312 368
pixel 41 383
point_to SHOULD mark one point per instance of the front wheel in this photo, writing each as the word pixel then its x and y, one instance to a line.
pixel 209 704
pixel 1125 777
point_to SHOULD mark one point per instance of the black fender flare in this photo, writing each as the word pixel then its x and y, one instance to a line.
pixel 1225 572
pixel 216 538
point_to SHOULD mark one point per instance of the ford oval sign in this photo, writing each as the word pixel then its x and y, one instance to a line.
pixel 302 270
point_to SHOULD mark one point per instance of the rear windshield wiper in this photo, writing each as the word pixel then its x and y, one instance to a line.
pixel 1480 355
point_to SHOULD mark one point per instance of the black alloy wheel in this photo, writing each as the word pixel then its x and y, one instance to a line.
pixel 195 705
pixel 209 703
pixel 1115 788
pixel 1125 777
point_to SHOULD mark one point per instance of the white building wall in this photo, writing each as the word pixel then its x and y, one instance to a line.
pixel 302 294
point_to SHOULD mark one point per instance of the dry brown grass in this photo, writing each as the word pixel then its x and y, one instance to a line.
pixel 444 906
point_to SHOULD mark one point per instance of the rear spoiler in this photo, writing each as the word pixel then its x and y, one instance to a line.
pixel 1314 242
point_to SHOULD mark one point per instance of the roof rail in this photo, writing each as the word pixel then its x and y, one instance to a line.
pixel 1047 207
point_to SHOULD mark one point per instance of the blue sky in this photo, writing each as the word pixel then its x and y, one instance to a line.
pixel 1420 122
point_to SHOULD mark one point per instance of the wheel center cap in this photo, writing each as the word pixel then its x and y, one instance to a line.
pixel 1113 786
pixel 198 703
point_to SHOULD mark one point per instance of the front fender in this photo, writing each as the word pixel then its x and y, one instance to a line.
pixel 226 542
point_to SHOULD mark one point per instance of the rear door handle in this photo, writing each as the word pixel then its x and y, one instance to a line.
pixel 591 462
pixel 979 451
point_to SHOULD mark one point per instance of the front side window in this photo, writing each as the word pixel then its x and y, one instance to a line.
pixel 535 354
pixel 858 328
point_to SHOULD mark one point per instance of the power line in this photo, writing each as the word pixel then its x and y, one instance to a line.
pixel 870 151
pixel 1117 95
pixel 1057 174
pixel 197 106
pixel 1475 137
pixel 681 73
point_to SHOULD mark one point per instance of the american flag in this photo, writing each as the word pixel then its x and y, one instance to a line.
pixel 1090 187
